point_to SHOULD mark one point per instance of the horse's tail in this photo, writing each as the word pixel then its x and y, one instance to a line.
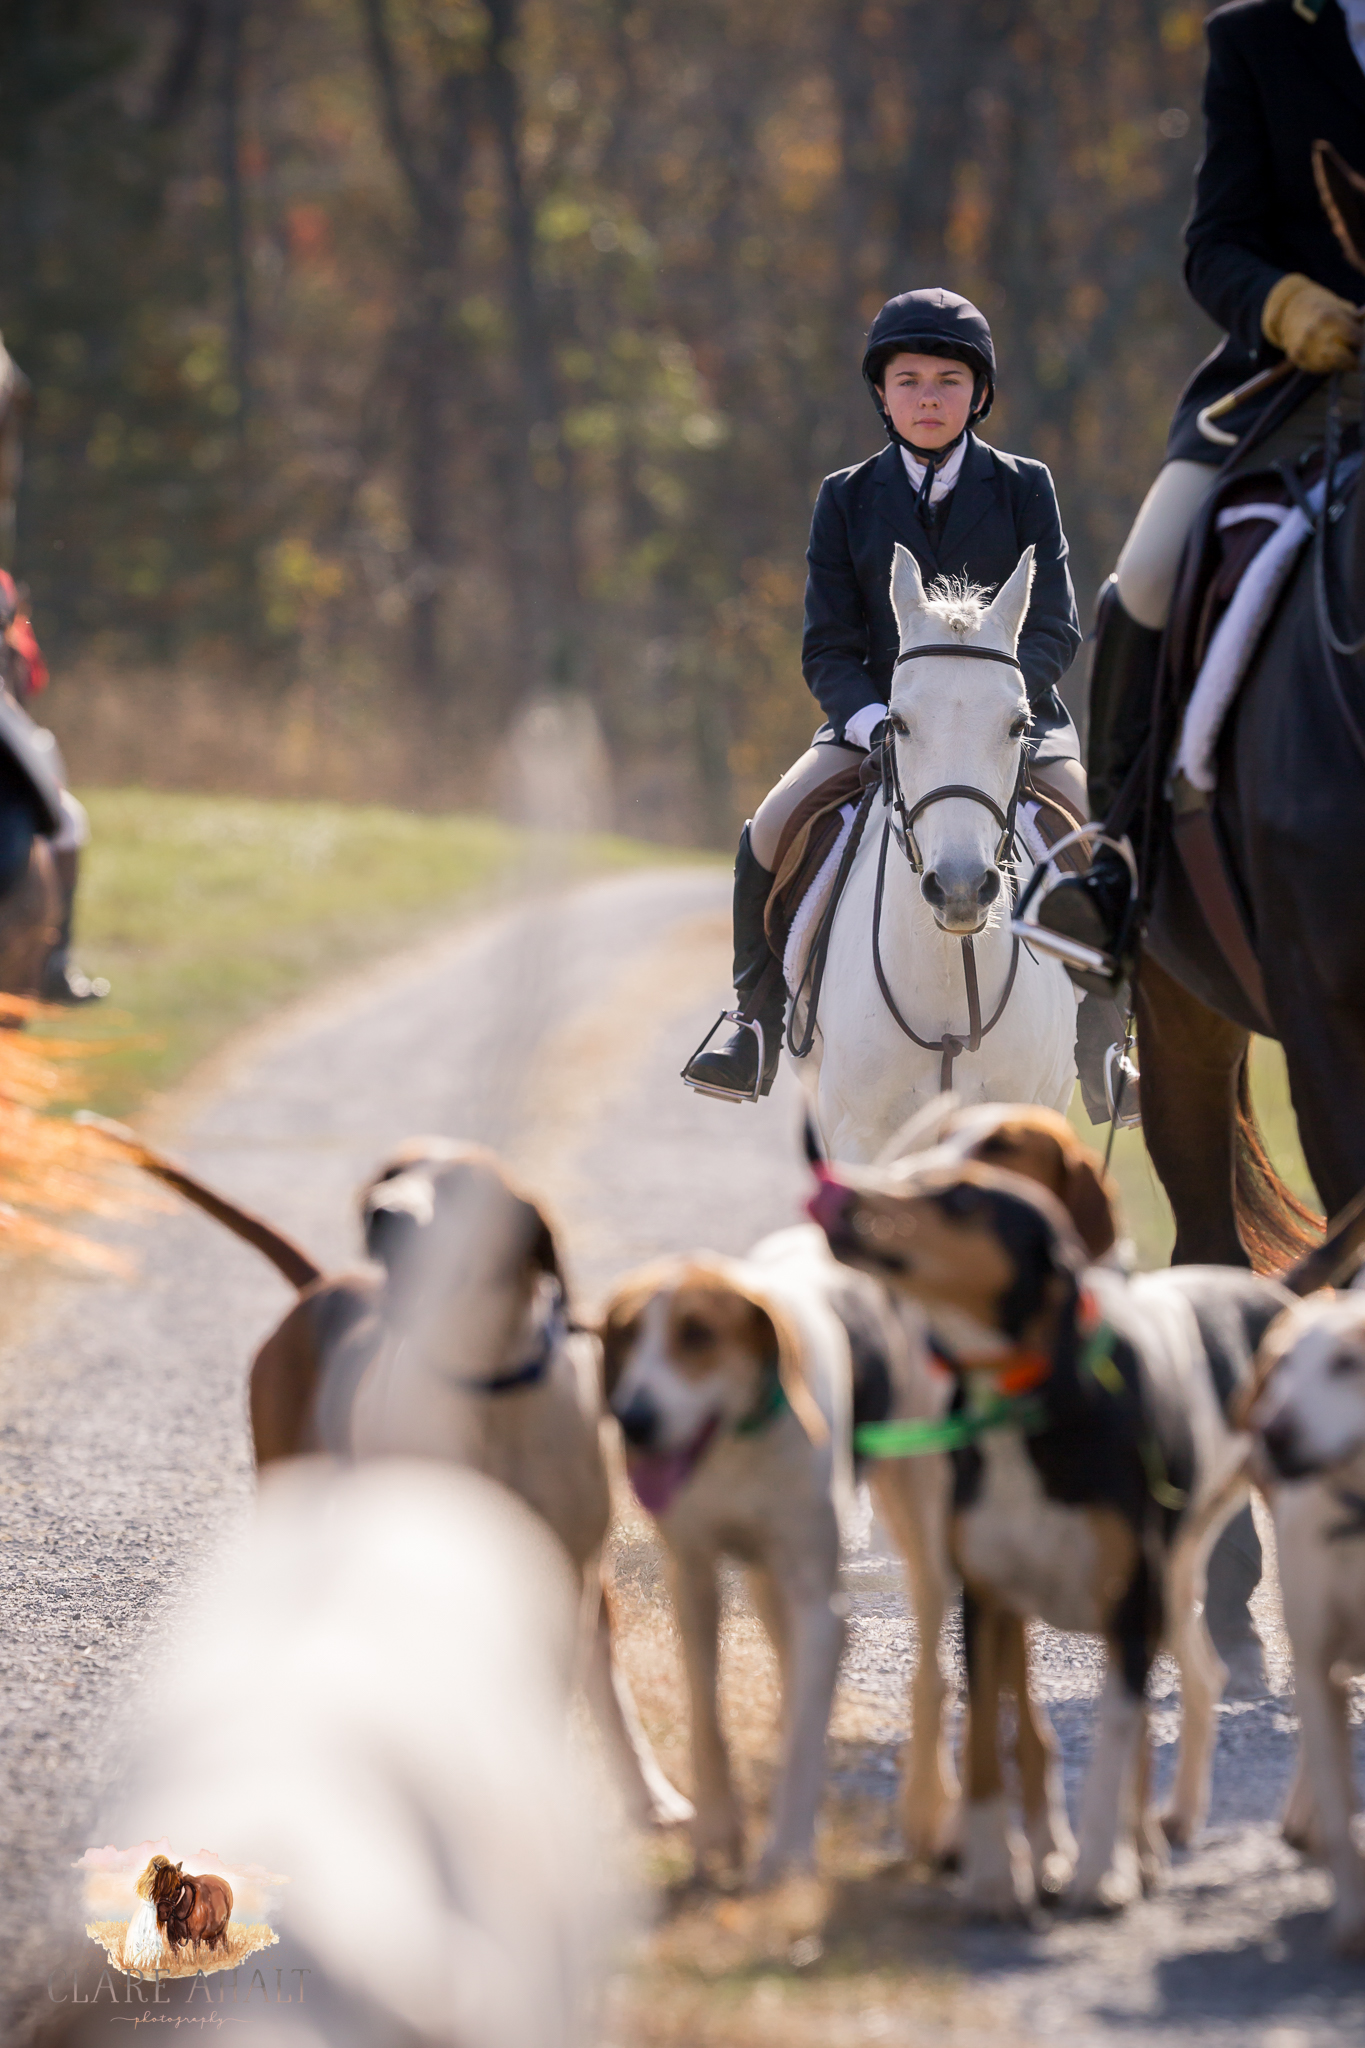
pixel 284 1255
pixel 1274 1225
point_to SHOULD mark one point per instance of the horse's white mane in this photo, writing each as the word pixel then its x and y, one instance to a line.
pixel 957 604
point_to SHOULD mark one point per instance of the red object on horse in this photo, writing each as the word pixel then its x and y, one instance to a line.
pixel 21 641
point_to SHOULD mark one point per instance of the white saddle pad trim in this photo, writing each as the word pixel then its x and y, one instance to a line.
pixel 1237 635
pixel 1026 825
pixel 812 905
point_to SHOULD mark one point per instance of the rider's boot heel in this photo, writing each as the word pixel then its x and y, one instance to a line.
pixel 744 1065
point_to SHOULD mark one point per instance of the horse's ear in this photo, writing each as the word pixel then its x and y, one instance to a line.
pixel 907 587
pixel 1009 606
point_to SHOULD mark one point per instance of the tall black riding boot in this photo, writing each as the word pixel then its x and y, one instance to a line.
pixel 732 1067
pixel 1094 908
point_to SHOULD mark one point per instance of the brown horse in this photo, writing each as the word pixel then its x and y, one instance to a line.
pixel 190 1909
pixel 1286 819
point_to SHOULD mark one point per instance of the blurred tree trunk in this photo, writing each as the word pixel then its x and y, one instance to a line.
pixel 433 171
pixel 545 565
pixel 233 17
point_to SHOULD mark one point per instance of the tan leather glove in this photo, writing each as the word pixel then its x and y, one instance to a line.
pixel 1317 331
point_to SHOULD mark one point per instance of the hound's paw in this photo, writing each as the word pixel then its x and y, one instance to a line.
pixel 997 1880
pixel 718 1841
pixel 1153 1852
pixel 1298 1824
pixel 1110 1890
pixel 1052 1847
pixel 667 1807
pixel 1180 1825
pixel 932 1830
pixel 776 1864
pixel 1348 1932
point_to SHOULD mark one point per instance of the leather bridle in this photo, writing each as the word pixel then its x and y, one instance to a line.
pixel 894 796
pixel 952 1043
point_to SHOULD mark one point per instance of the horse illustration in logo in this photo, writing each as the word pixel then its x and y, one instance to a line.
pixel 188 1909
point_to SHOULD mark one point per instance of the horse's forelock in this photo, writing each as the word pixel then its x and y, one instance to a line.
pixel 957 604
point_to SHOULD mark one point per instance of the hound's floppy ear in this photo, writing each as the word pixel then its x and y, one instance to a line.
pixel 544 1250
pixel 621 1316
pixel 1275 1346
pixel 800 1399
pixel 927 1127
pixel 1090 1197
pixel 907 587
pixel 394 1214
pixel 616 1330
pixel 1009 607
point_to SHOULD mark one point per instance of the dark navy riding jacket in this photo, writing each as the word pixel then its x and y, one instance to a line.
pixel 1275 83
pixel 999 505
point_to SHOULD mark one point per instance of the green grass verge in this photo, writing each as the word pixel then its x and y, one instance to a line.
pixel 1146 1210
pixel 207 912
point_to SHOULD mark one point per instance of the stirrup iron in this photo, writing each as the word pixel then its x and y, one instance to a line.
pixel 1044 879
pixel 754 1094
pixel 1121 1083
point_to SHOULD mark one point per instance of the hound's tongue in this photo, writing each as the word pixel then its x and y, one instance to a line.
pixel 657 1475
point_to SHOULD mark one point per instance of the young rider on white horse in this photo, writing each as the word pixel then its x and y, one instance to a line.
pixel 964 510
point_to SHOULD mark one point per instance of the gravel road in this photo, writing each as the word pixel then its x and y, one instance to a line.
pixel 553 1031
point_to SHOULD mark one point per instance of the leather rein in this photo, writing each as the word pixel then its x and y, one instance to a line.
pixel 951 1044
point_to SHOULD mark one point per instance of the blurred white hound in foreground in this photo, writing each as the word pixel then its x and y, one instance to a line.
pixel 376 1704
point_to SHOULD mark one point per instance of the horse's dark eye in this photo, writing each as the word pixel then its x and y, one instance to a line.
pixel 962 1202
pixel 1019 728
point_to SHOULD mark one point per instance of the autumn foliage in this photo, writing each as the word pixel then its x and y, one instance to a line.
pixel 397 360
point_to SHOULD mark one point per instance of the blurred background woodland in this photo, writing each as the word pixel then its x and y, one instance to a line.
pixel 400 365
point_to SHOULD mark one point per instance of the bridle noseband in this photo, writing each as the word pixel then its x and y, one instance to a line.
pixel 894 796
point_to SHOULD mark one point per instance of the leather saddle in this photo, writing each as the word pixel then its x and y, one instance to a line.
pixel 812 831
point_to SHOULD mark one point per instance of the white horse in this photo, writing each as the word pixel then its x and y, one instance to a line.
pixel 940 862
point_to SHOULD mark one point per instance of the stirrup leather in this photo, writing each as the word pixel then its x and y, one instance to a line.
pixel 753 1094
pixel 1045 878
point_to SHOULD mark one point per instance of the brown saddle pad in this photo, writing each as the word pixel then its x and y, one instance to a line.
pixel 807 838
pixel 1056 815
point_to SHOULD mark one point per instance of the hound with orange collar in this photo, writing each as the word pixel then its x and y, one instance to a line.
pixel 1092 1468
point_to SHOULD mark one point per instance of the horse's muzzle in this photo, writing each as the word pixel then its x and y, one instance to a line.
pixel 960 903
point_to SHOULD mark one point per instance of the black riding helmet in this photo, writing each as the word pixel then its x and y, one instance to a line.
pixel 933 322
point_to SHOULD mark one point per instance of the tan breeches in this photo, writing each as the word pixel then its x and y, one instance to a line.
pixel 815 766
pixel 818 764
pixel 1150 557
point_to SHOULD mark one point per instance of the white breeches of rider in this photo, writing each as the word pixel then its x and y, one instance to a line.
pixel 74 832
pixel 1150 557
